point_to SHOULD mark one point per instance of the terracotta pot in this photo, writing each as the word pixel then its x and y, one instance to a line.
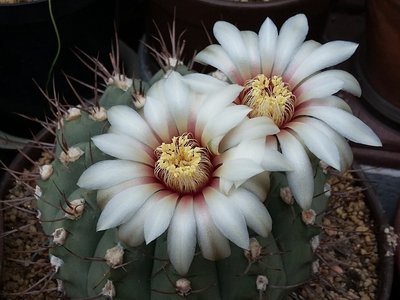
pixel 397 256
pixel 196 17
pixel 386 262
pixel 380 58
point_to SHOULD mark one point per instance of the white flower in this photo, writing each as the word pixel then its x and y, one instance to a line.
pixel 187 164
pixel 284 78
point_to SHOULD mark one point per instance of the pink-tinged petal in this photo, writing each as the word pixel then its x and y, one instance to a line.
pixel 107 173
pixel 178 98
pixel 344 123
pixel 231 41
pixel 345 152
pixel 250 39
pixel 259 185
pixel 253 210
pixel 291 35
pixel 132 232
pixel 331 101
pixel 215 55
pixel 317 86
pixel 219 125
pixel 214 104
pixel 159 118
pixel 161 216
pixel 267 40
pixel 317 142
pixel 301 54
pixel 238 169
pixel 125 204
pixel 127 121
pixel 300 180
pixel 182 235
pixel 325 56
pixel 229 220
pixel 213 244
pixel 203 83
pixel 124 147
pixel 254 128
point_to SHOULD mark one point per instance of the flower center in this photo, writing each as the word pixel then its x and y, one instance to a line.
pixel 269 97
pixel 183 165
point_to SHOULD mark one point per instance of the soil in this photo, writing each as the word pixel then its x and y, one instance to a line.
pixel 347 254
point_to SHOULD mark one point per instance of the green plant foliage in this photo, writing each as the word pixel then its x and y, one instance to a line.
pixel 285 257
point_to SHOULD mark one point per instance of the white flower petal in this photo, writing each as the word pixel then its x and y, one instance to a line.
pixel 331 101
pixel 344 123
pixel 267 39
pixel 238 169
pixel 326 55
pixel 272 161
pixel 249 129
pixel 301 181
pixel 215 55
pixel 227 217
pixel 124 147
pixel 105 174
pixel 350 83
pixel 230 38
pixel 178 98
pixel 291 36
pixel 253 210
pixel 203 83
pixel 317 86
pixel 132 232
pixel 259 185
pixel 158 116
pixel 182 235
pixel 345 152
pixel 225 185
pixel 314 86
pixel 301 54
pixel 214 104
pixel 317 142
pixel 160 218
pixel 212 243
pixel 250 39
pixel 127 121
pixel 222 123
pixel 125 204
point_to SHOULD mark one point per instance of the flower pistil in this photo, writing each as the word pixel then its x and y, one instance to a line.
pixel 269 97
pixel 183 165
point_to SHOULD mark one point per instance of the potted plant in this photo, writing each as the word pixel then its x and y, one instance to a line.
pixel 173 187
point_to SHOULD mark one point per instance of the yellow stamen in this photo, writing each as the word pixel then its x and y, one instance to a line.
pixel 183 165
pixel 269 97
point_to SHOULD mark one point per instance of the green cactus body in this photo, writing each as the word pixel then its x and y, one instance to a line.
pixel 284 258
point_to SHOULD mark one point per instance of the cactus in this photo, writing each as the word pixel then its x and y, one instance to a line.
pixel 91 264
